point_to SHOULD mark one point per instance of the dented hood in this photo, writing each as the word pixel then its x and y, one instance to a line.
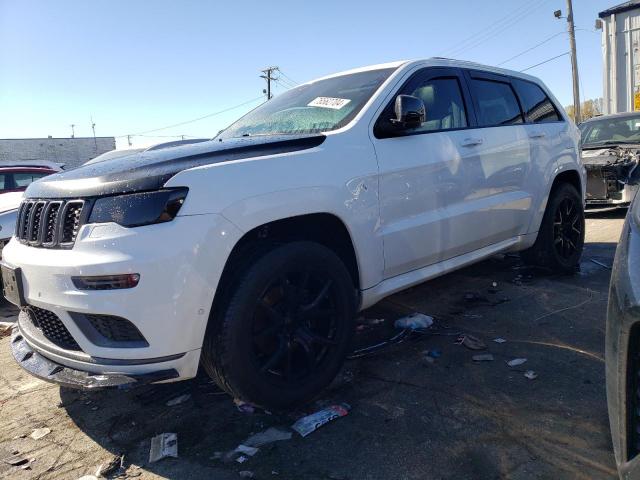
pixel 150 170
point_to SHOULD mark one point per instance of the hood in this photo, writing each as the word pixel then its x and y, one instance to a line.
pixel 150 170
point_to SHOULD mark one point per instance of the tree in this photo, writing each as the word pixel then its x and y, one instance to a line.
pixel 589 109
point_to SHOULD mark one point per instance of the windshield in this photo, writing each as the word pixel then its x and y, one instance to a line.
pixel 610 131
pixel 311 108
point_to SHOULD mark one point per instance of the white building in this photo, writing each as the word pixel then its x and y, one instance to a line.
pixel 621 57
pixel 72 152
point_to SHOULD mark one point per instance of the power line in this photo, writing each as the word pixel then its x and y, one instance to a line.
pixel 193 120
pixel 546 61
pixel 291 80
pixel 496 28
pixel 532 48
pixel 285 83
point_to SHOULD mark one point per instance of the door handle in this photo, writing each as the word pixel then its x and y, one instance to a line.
pixel 536 135
pixel 471 142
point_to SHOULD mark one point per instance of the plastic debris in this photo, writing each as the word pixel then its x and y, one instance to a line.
pixel 243 406
pixel 242 459
pixel 163 445
pixel 15 460
pixel 499 340
pixel 471 342
pixel 110 466
pixel 305 425
pixel 530 374
pixel 516 361
pixel 485 357
pixel 414 321
pixel 270 435
pixel 600 263
pixel 246 474
pixel 39 433
pixel 178 400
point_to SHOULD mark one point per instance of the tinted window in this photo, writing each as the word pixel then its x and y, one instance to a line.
pixel 537 106
pixel 25 179
pixel 443 103
pixel 497 104
pixel 611 129
pixel 3 183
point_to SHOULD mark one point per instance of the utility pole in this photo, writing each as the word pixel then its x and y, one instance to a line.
pixel 73 131
pixel 93 127
pixel 129 140
pixel 574 59
pixel 268 76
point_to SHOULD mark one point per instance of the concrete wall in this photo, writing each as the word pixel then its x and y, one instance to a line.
pixel 73 152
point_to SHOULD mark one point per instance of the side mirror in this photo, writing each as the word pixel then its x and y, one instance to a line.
pixel 410 112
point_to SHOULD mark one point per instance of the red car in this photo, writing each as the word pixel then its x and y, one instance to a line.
pixel 17 179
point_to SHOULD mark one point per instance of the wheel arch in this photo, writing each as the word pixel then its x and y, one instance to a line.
pixel 324 228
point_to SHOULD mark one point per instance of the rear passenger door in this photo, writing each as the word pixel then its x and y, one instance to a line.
pixel 501 196
pixel 548 136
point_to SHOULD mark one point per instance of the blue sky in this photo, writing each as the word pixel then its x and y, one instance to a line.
pixel 141 65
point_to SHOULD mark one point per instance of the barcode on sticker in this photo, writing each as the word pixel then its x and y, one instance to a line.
pixel 328 102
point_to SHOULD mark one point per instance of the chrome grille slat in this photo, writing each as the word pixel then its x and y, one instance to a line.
pixel 50 223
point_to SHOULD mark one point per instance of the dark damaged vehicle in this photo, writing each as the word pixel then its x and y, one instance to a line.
pixel 610 153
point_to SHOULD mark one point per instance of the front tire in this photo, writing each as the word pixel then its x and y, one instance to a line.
pixel 285 329
pixel 561 235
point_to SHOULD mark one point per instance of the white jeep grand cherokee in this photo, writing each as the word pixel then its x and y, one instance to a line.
pixel 251 253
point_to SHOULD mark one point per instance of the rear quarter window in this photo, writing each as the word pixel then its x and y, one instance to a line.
pixel 497 103
pixel 537 106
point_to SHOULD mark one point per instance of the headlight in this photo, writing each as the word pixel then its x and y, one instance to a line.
pixel 137 209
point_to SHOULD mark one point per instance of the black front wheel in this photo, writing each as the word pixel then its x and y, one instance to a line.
pixel 561 235
pixel 285 329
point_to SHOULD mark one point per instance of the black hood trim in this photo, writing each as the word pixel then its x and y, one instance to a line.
pixel 151 170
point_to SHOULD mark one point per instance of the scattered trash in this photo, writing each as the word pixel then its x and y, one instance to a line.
pixel 433 353
pixel 600 263
pixel 5 331
pixel 244 407
pixel 178 400
pixel 110 467
pixel 485 357
pixel 428 360
pixel 242 459
pixel 39 433
pixel 270 435
pixel 531 375
pixel 373 321
pixel 88 477
pixel 163 445
pixel 305 425
pixel 372 349
pixel 15 460
pixel 493 288
pixel 471 342
pixel 499 340
pixel 246 474
pixel 243 451
pixel 414 321
pixel 516 361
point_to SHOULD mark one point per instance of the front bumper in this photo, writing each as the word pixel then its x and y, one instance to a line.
pixel 179 262
pixel 623 352
pixel 41 367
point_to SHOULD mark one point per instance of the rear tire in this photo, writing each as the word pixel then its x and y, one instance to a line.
pixel 285 328
pixel 561 235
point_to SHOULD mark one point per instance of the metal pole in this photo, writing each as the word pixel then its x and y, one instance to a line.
pixel 574 62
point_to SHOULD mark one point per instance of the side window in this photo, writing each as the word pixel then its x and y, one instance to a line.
pixel 443 104
pixel 537 106
pixel 497 104
pixel 3 183
pixel 25 179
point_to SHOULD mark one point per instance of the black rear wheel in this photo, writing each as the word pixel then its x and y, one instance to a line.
pixel 561 235
pixel 286 328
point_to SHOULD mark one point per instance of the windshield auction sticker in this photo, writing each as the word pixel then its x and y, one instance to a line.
pixel 328 102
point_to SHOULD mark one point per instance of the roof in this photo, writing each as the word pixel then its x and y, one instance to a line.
pixel 613 115
pixel 623 7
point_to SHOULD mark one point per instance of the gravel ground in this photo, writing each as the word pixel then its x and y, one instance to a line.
pixel 449 418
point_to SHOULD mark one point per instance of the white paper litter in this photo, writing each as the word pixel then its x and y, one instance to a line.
pixel 178 400
pixel 163 445
pixel 516 361
pixel 270 435
pixel 499 340
pixel 38 433
pixel 531 375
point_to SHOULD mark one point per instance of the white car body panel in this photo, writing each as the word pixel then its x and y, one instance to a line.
pixel 415 207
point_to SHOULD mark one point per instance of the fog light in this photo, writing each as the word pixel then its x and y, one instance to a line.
pixel 106 282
